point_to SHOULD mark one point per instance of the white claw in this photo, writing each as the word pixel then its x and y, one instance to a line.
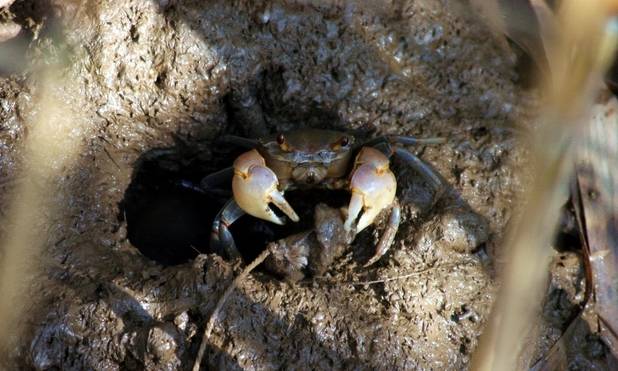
pixel 373 188
pixel 354 209
pixel 255 186
pixel 277 198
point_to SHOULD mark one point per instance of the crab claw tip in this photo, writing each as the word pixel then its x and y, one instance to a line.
pixel 277 198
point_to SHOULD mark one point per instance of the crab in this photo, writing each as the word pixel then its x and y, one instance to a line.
pixel 315 158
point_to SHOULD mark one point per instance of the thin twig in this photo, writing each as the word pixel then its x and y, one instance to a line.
pixel 195 249
pixel 110 157
pixel 215 313
pixel 389 279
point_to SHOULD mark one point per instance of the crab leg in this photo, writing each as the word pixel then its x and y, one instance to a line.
pixel 240 141
pixel 419 165
pixel 388 236
pixel 403 139
pixel 255 186
pixel 216 192
pixel 373 188
pixel 409 141
pixel 217 178
pixel 221 240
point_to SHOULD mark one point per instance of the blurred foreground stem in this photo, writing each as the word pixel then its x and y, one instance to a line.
pixel 580 57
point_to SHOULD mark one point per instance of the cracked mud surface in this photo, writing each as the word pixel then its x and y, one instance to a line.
pixel 155 86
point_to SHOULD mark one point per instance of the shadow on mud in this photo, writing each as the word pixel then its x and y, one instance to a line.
pixel 167 222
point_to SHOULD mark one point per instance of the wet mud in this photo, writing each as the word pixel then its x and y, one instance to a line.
pixel 127 279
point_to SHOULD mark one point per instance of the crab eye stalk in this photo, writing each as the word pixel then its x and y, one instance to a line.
pixel 283 143
pixel 340 143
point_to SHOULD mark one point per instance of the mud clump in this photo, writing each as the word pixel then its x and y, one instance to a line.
pixel 157 85
pixel 460 230
pixel 310 253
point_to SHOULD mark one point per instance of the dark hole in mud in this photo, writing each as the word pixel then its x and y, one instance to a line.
pixel 526 68
pixel 568 236
pixel 567 242
pixel 611 78
pixel 171 223
pixel 166 221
